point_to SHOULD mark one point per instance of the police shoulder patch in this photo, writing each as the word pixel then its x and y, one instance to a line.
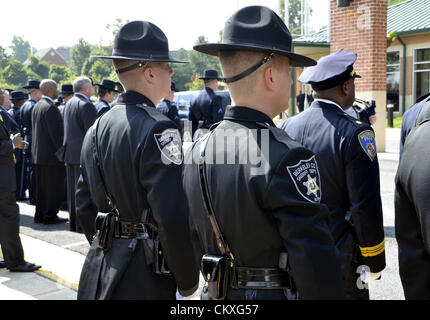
pixel 368 143
pixel 306 178
pixel 170 145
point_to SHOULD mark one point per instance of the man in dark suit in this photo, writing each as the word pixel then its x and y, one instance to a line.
pixel 33 89
pixel 79 116
pixel 107 95
pixel 18 98
pixel 10 241
pixel 207 106
pixel 47 139
pixel 169 109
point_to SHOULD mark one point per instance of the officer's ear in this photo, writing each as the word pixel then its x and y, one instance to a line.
pixel 149 74
pixel 269 78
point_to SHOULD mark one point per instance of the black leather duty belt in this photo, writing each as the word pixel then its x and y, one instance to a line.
pixel 261 278
pixel 129 230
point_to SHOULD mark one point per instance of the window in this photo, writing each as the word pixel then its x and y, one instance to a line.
pixel 393 78
pixel 421 72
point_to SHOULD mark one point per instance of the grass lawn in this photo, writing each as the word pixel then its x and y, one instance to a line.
pixel 397 122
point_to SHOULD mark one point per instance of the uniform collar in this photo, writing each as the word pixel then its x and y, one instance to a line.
pixel 48 99
pixel 238 113
pixel 332 105
pixel 133 97
pixel 82 96
pixel 103 101
pixel 209 90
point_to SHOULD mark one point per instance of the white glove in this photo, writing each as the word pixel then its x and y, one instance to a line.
pixel 366 277
pixel 178 295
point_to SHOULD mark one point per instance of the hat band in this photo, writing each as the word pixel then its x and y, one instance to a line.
pixel 132 67
pixel 249 71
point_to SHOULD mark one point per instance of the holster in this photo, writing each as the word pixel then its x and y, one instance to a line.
pixel 106 222
pixel 160 263
pixel 216 271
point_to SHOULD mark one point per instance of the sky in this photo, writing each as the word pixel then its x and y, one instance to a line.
pixel 54 23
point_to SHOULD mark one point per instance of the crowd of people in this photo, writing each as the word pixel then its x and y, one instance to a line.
pixel 295 213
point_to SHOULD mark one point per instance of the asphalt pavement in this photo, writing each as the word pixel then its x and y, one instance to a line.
pixel 62 252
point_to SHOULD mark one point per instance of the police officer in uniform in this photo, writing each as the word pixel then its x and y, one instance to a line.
pixel 207 106
pixel 18 98
pixel 10 241
pixel 268 211
pixel 33 89
pixel 345 150
pixel 412 219
pixel 66 94
pixel 168 108
pixel 107 95
pixel 140 159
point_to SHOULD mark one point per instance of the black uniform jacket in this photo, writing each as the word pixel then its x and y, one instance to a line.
pixel 79 116
pixel 346 153
pixel 101 107
pixel 7 165
pixel 9 121
pixel 170 111
pixel 48 133
pixel 141 155
pixel 25 115
pixel 207 106
pixel 412 213
pixel 264 209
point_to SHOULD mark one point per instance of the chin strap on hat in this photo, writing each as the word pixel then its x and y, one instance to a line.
pixel 140 64
pixel 249 71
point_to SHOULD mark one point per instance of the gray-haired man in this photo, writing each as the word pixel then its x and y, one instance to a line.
pixel 79 116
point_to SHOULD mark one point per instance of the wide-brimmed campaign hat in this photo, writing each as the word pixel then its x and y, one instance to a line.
pixel 18 95
pixel 34 84
pixel 108 84
pixel 141 41
pixel 67 88
pixel 209 74
pixel 256 28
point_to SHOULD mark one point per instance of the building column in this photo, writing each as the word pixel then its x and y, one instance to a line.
pixel 362 27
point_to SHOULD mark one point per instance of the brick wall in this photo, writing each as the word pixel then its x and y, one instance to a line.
pixel 362 28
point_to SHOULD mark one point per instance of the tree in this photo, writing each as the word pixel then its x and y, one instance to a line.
pixel 391 2
pixel 99 70
pixel 80 52
pixel 114 27
pixel 15 73
pixel 41 69
pixel 60 74
pixel 4 58
pixel 20 49
pixel 196 84
pixel 183 71
pixel 199 61
pixel 294 16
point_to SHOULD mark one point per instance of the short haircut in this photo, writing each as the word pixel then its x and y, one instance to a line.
pixel 80 83
pixel 235 62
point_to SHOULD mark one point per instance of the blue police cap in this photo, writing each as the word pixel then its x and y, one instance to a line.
pixel 331 70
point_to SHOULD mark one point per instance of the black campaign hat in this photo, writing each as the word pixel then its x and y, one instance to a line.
pixel 209 74
pixel 35 84
pixel 108 84
pixel 18 95
pixel 140 41
pixel 256 28
pixel 67 88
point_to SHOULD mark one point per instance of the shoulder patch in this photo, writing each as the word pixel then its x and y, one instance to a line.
pixel 367 142
pixel 170 145
pixel 1 118
pixel 306 178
